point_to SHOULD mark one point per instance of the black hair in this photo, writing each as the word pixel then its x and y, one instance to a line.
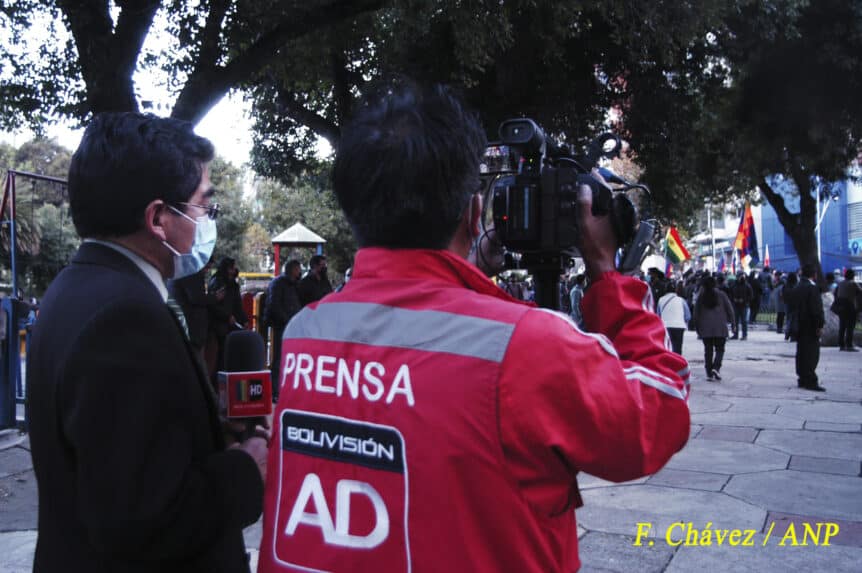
pixel 407 166
pixel 223 266
pixel 809 271
pixel 315 260
pixel 849 274
pixel 127 160
pixel 290 264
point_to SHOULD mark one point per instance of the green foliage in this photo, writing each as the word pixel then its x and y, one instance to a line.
pixel 236 216
pixel 45 236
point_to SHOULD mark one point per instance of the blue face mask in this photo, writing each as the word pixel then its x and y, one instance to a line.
pixel 201 249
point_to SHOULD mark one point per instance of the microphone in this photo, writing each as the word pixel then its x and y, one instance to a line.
pixel 245 385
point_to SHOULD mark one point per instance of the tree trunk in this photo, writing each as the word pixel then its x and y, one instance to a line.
pixel 799 226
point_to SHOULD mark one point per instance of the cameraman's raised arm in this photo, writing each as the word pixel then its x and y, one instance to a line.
pixel 612 404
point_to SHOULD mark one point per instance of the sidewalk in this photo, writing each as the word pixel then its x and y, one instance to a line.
pixel 761 452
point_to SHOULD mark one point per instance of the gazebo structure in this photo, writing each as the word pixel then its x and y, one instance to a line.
pixel 297 236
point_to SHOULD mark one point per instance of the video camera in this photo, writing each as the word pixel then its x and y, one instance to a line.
pixel 531 197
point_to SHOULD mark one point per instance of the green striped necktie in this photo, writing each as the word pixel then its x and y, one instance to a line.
pixel 178 312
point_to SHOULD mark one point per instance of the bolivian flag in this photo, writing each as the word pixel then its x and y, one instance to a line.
pixel 674 250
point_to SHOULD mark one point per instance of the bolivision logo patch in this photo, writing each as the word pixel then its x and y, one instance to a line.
pixel 343 495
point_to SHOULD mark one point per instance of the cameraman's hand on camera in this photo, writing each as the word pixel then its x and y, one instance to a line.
pixel 598 244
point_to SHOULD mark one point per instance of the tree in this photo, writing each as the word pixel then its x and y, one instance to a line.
pixel 791 111
pixel 236 216
pixel 215 46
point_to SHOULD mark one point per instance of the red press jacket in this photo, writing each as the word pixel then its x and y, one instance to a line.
pixel 429 422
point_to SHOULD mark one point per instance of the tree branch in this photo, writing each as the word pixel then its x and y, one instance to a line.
pixel 133 24
pixel 209 51
pixel 205 87
pixel 315 122
pixel 788 220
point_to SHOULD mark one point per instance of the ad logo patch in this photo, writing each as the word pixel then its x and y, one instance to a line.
pixel 342 496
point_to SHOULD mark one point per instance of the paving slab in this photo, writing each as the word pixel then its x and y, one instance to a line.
pixel 609 553
pixel 620 509
pixel 801 493
pixel 701 403
pixel 11 438
pixel 832 427
pixel 814 444
pixel 728 433
pixel 824 465
pixel 688 479
pixel 821 411
pixel 16 551
pixel 15 461
pixel 587 481
pixel 18 502
pixel 714 456
pixel 773 421
pixel 771 558
pixel 848 532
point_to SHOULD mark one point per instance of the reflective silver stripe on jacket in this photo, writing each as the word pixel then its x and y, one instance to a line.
pixel 381 325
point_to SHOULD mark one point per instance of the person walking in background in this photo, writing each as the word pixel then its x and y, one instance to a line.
pixel 777 302
pixel 675 314
pixel 809 309
pixel 226 314
pixel 712 312
pixel 314 285
pixel 848 301
pixel 742 295
pixel 282 303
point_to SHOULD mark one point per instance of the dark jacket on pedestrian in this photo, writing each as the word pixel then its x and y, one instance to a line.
pixel 741 292
pixel 712 322
pixel 282 302
pixel 849 294
pixel 809 305
pixel 312 288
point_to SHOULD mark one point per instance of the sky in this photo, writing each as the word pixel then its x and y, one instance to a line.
pixel 227 125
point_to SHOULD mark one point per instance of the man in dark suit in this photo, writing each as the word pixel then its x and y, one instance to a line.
pixel 129 452
pixel 810 318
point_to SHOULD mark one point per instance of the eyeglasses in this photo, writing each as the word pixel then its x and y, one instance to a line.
pixel 213 210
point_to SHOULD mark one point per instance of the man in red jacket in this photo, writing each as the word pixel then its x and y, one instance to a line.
pixel 427 420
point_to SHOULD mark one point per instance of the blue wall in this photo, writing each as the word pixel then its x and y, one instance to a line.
pixel 835 252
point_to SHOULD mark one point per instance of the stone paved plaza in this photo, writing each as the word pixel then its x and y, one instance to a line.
pixel 764 457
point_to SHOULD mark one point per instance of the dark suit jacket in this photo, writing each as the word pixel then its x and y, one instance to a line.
pixel 126 442
pixel 809 305
pixel 191 294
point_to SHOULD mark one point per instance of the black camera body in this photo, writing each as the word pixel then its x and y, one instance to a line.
pixel 534 190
